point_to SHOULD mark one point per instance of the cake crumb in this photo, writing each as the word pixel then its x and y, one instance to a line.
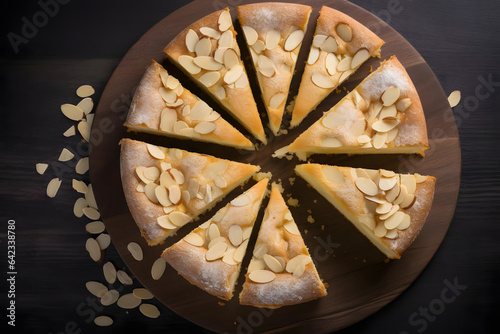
pixel 261 176
pixel 289 108
pixel 305 231
pixel 282 132
pixel 326 285
pixel 315 201
pixel 364 260
pixel 387 260
pixel 309 211
pixel 322 227
pixel 221 303
pixel 310 219
pixel 278 185
pixel 293 202
pixel 282 153
pixel 338 90
pixel 345 89
pixel 291 180
pixel 371 68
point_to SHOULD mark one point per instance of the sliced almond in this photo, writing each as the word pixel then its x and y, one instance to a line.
pixel 363 139
pixel 95 227
pixel 150 191
pixel 94 250
pixel 420 178
pixel 322 80
pixel 386 183
pixel 158 268
pixel 344 32
pixel 225 20
pixel 385 125
pixel 219 215
pixel 203 48
pixel 333 120
pixel 79 186
pixel 391 212
pixel 155 152
pixel 220 92
pixel 276 100
pixel 359 58
pixel 408 201
pixel 164 221
pixel 216 252
pixel 179 126
pixel 128 301
pixel 332 174
pixel 299 270
pixel 297 261
pixel 241 200
pixel 273 263
pixel 259 251
pixel 313 56
pixel 329 45
pixel 256 264
pixel 242 82
pixel 331 63
pixel 187 62
pixel 390 95
pixel 389 111
pixel 250 35
pixel 265 66
pixel 179 219
pixel 142 293
pixel 103 321
pixel 178 176
pixel 91 213
pixel 403 104
pixel 228 257
pixel 70 132
pixel 331 142
pixel 172 83
pixel 166 179
pixel 110 297
pixel 262 276
pixel 193 187
pixel 149 311
pixel 247 232
pixel 454 98
pixel 73 112
pixel 405 223
pixel 109 271
pixel 409 182
pixel 318 40
pixel 215 241
pixel 220 181
pixel 235 235
pixel 344 64
pixel 124 278
pixel 272 39
pixel 294 40
pixel 212 33
pixel 230 58
pixel 194 239
pixel 204 127
pixel 162 196
pixel 169 96
pixel 368 221
pixel 379 139
pixel 86 104
pixel 200 110
pixel 394 220
pixel 366 186
pixel 214 169
pixel 210 78
pixel 392 234
pixel 104 240
pixel 380 230
pixel 96 288
pixel 191 40
pixel 233 74
pixel 393 193
pixel 226 39
pixel 65 155
pixel 383 208
pixel 291 227
pixel 135 250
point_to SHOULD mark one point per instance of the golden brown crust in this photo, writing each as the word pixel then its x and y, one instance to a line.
pixel 349 200
pixel 285 289
pixel 145 212
pixel 147 106
pixel 283 17
pixel 412 135
pixel 215 277
pixel 310 95
pixel 239 101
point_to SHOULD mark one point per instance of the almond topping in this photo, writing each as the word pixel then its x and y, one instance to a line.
pixel 155 152
pixel 294 40
pixel 225 21
pixel 344 64
pixel 73 112
pixel 241 200
pixel 235 235
pixel 207 63
pixel 128 301
pixel 383 208
pixel 85 90
pixel 331 63
pixel 109 272
pixel 297 261
pixel 103 240
pixel 187 62
pixel 273 263
pixel 135 250
pixel 318 40
pixel 366 186
pixel 164 221
pixel 454 98
pixel 70 132
pixel 203 48
pixel 410 183
pixel 276 100
pixel 200 111
pixel 329 45
pixel 380 230
pixel 228 257
pixel 194 239
pixel 392 234
pixel 291 227
pixel 259 251
pixel 344 32
pixel 272 39
pixel 91 213
pixel 210 78
pixel 258 46
pixel 391 212
pixel 322 80
pixel 405 223
pixel 216 252
pixel 403 104
pixel 94 250
pixel 214 169
pixel 394 220
pixel 95 227
pixel 178 176
pixel 230 58
pixel 233 74
pixel 313 56
pixel 379 139
pixel 149 311
pixel 389 111
pixel 250 35
pixel 142 293
pixel 220 92
pixel 210 32
pixel 363 139
pixel 226 39
pixel 169 96
pixel 385 125
pixel 204 127
pixel 262 276
pixel 387 183
pixel 359 58
pixel 390 96
pixel 191 40
pixel 331 142
pixel 332 174
pixel 179 219
pixel 158 268
pixel 220 182
pixel 96 288
pixel 86 105
pixel 110 297
pixel 256 265
pixel 333 120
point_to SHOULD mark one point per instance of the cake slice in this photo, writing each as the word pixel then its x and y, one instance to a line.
pixel 207 52
pixel 162 106
pixel 281 271
pixel 340 46
pixel 389 209
pixel 210 256
pixel 168 188
pixel 274 33
pixel 383 114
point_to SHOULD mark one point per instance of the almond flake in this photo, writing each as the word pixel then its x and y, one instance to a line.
pixel 65 155
pixel 128 301
pixel 250 35
pixel 389 111
pixel 344 32
pixel 200 110
pixel 104 240
pixel 235 235
pixel 178 176
pixel 96 288
pixel 124 278
pixel 220 214
pixel 187 62
pixel 225 21
pixel 150 191
pixel 258 47
pixel 142 293
pixel 273 263
pixel 408 201
pixel 82 166
pixel 84 129
pixel 380 230
pixel 409 182
pixel 334 175
pixel 109 272
pixel 179 219
pixel 322 80
pixel 216 252
pixel 149 311
pixel 210 78
pixel 73 112
pixel 174 194
pixel 385 125
pixel 172 83
pixel 110 297
pixel 220 182
pixel 70 132
pixel 259 251
pixel 220 92
pixel 454 98
pixel 383 208
pixel 318 40
pixel 228 257
pixel 78 207
pixel 242 82
pixel 368 221
pixel 94 250
pixel 191 40
pixel 333 120
pixel 331 63
pixel 203 48
pixel 215 241
pixel 86 105
pixel 299 271
pixel 53 187
pixel 393 221
pixel 256 264
pixel 241 200
pixel 329 45
pixel 89 197
pixel 79 186
pixel 392 234
pixel 392 194
pixel 420 178
pixel 276 100
pixel 390 95
pixel 291 227
pixel 212 33
pixel 366 186
pixel 359 58
pixel 331 142
pixel 155 152
pixel 344 64
pixel 233 74
pixel 391 212
pixel 265 64
pixel 313 56
pixel 387 183
pixel 179 126
pixel 95 227
pixel 226 39
pixel 213 232
pixel 158 268
pixel 299 260
pixel 262 276
pixel 363 139
pixel 379 139
pixel 272 39
pixel 214 169
pixel 405 223
pixel 194 239
pixel 135 250
pixel 294 40
pixel 103 321
pixel 403 104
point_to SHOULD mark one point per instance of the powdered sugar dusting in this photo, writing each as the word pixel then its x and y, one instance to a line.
pixel 389 75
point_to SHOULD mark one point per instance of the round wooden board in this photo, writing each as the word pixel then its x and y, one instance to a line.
pixel 360 280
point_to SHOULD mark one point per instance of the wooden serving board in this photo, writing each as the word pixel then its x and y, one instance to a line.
pixel 360 280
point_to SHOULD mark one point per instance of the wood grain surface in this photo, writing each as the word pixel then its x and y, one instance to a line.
pixel 82 42
pixel 360 280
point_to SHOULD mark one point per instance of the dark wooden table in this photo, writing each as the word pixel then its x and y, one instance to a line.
pixel 82 42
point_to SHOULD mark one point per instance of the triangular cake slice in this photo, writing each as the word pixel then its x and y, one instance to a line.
pixel 383 114
pixel 274 32
pixel 210 256
pixel 162 106
pixel 389 209
pixel 281 271
pixel 168 188
pixel 207 51
pixel 340 46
